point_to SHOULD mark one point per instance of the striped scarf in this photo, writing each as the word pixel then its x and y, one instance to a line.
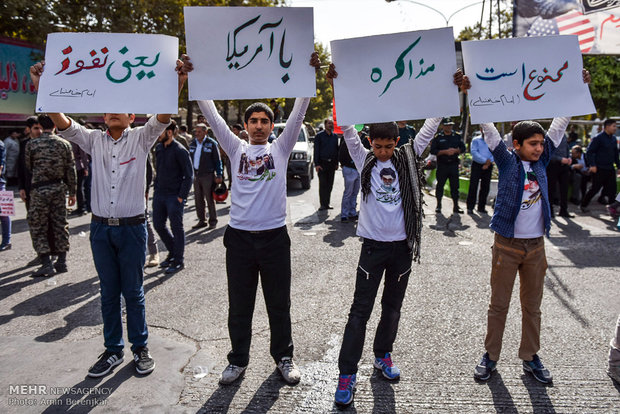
pixel 408 168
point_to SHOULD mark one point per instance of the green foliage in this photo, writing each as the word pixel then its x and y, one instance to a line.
pixel 321 106
pixel 605 85
pixel 479 32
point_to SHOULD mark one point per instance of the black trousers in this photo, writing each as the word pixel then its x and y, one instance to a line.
pixel 445 172
pixel 482 176
pixel 79 193
pixel 393 258
pixel 250 255
pixel 558 176
pixel 605 179
pixel 326 183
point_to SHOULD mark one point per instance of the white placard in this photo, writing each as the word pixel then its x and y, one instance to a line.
pixel 250 52
pixel 395 77
pixel 7 203
pixel 109 72
pixel 525 78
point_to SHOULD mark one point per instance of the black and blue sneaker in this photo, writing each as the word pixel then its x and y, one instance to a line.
pixel 387 367
pixel 485 368
pixel 105 363
pixel 345 390
pixel 538 370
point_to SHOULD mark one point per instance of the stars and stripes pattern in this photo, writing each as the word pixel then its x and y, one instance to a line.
pixel 571 23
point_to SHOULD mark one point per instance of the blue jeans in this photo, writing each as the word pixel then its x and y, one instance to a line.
pixel 351 189
pixel 119 253
pixel 168 207
pixel 5 221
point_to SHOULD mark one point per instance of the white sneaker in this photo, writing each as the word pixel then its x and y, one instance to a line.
pixel 153 260
pixel 289 370
pixel 231 373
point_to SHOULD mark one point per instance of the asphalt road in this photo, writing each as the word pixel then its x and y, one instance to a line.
pixel 51 333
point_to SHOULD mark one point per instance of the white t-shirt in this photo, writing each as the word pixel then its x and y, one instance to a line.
pixel 381 214
pixel 258 201
pixel 530 223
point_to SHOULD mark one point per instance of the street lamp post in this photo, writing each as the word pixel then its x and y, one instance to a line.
pixel 447 20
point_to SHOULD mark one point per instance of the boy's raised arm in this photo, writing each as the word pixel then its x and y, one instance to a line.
pixel 60 120
pixel 426 134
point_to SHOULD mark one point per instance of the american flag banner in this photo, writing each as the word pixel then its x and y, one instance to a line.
pixel 571 23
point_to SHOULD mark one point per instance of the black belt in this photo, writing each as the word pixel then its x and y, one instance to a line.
pixel 44 183
pixel 123 221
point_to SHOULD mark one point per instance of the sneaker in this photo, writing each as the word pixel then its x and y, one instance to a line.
pixel 4 247
pixel 345 390
pixel 343 219
pixel 152 260
pixel 45 270
pixel 457 210
pixel 485 368
pixel 168 262
pixel 212 226
pixel 175 267
pixel 289 370
pixel 231 373
pixel 143 360
pixel 538 370
pixel 438 210
pixel 470 211
pixel 584 210
pixel 614 373
pixel 387 367
pixel 106 362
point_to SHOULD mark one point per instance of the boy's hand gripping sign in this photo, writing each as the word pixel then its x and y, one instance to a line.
pixel 395 77
pixel 525 78
pixel 109 73
pixel 250 52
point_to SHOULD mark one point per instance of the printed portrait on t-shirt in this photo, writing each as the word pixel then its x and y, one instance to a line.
pixel 531 189
pixel 387 192
pixel 259 168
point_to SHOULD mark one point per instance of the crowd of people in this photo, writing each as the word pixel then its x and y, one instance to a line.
pixel 386 164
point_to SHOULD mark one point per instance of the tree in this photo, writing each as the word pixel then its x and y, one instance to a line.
pixel 604 85
pixel 485 30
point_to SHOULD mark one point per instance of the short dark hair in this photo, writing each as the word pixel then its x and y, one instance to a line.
pixel 183 128
pixel 45 121
pixel 608 122
pixel 238 126
pixel 383 130
pixel 526 129
pixel 327 119
pixel 172 127
pixel 258 107
pixel 578 149
pixel 31 121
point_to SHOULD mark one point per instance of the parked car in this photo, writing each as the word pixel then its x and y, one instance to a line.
pixel 300 163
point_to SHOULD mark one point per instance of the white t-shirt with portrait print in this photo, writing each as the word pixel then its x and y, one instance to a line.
pixel 530 222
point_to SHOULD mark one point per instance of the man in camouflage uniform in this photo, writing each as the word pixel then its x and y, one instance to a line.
pixel 50 159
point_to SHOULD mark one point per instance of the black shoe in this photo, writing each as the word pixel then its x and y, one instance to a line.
pixel 212 226
pixel 46 269
pixel 200 225
pixel 60 267
pixel 566 214
pixel 323 208
pixel 166 263
pixel 143 361
pixel 485 368
pixel 4 247
pixel 438 210
pixel 344 219
pixel 457 210
pixel 538 370
pixel 354 218
pixel 175 267
pixel 106 362
pixel 482 211
pixel 584 210
pixel 470 211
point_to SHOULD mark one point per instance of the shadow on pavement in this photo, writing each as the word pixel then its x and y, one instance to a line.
pixel 541 403
pixel 88 394
pixel 220 400
pixel 554 284
pixel 502 400
pixel 338 232
pixel 266 395
pixel 383 394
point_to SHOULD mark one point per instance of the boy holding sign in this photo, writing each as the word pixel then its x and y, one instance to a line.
pixel 390 221
pixel 520 220
pixel 117 229
pixel 256 239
